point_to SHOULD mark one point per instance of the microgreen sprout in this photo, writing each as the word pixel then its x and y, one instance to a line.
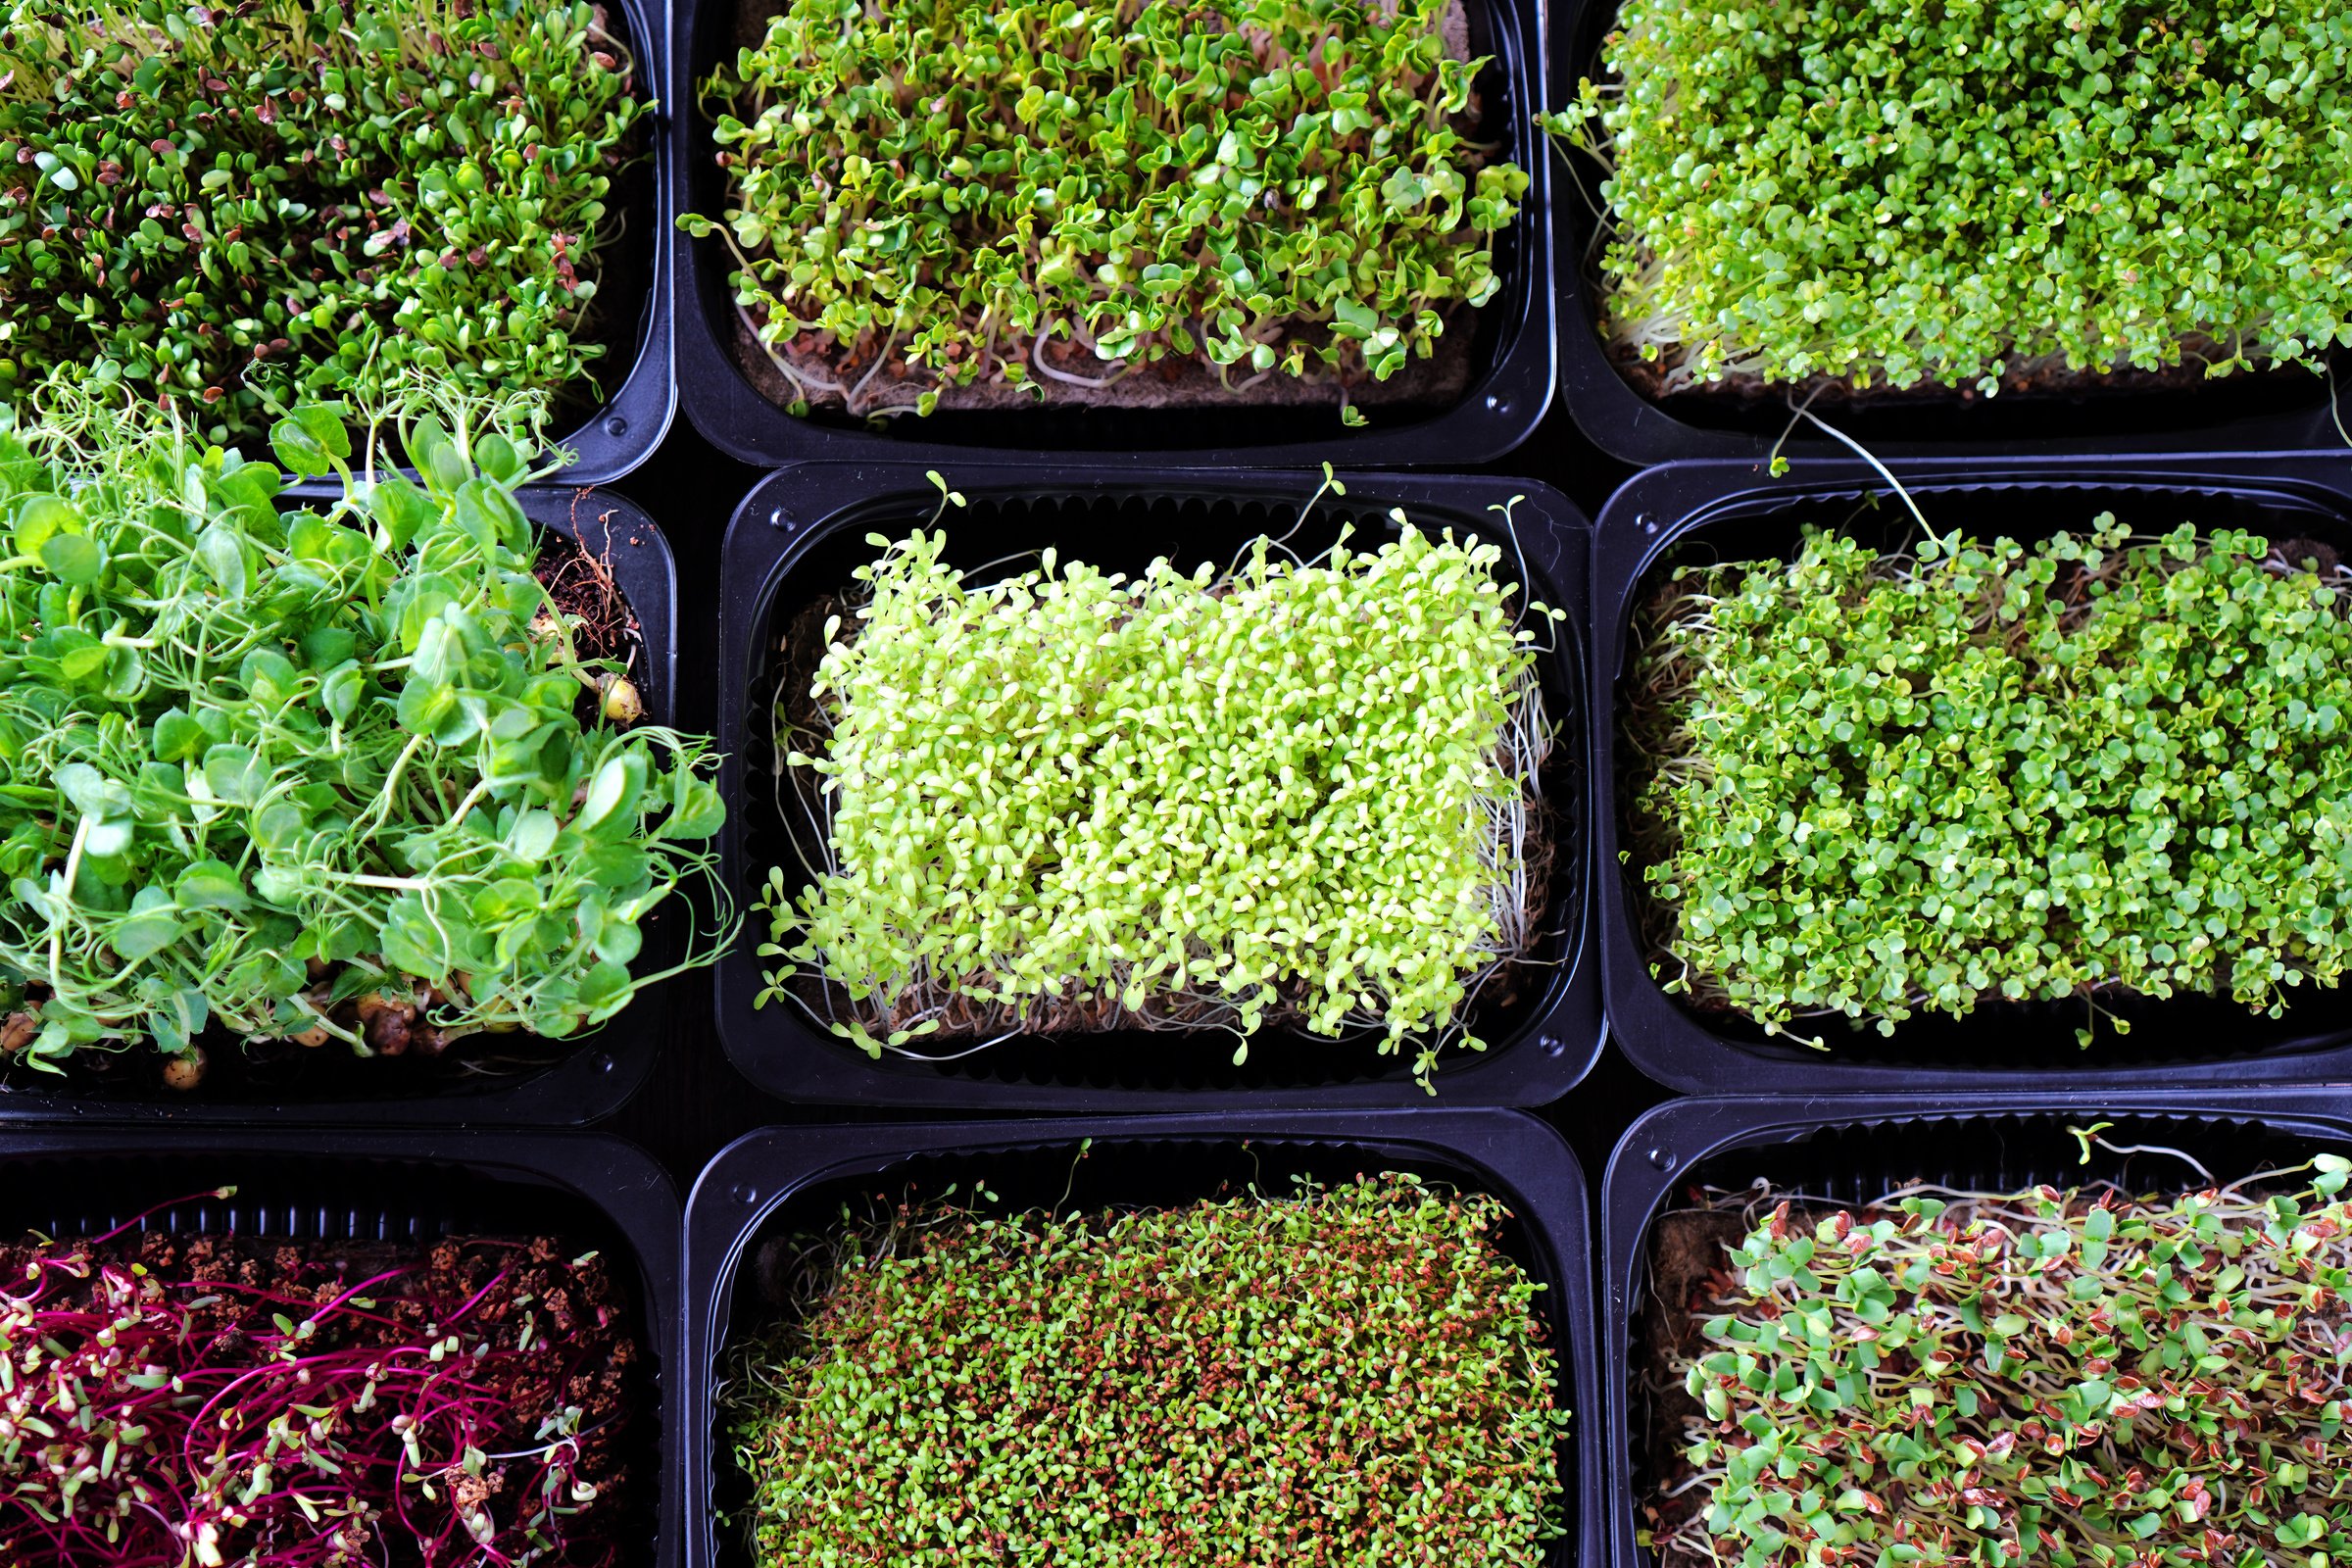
pixel 1871 784
pixel 1051 197
pixel 1357 1374
pixel 308 772
pixel 227 208
pixel 1295 792
pixel 205 1403
pixel 2083 1378
pixel 1975 195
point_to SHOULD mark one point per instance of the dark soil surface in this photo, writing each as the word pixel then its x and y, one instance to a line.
pixel 578 578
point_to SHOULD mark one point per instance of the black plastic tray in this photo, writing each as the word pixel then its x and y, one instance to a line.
pixel 2288 411
pixel 1721 510
pixel 1852 1149
pixel 1512 381
pixel 357 1185
pixel 622 433
pixel 786 1181
pixel 581 1082
pixel 798 536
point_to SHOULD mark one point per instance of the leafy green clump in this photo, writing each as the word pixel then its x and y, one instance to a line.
pixel 1876 784
pixel 1271 186
pixel 1883 194
pixel 1354 1375
pixel 308 773
pixel 227 207
pixel 2080 1379
pixel 1069 801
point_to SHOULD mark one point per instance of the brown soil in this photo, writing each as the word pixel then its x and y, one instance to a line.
pixel 577 574
pixel 1441 379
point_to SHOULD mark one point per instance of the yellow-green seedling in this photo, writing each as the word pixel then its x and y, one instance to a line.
pixel 1273 790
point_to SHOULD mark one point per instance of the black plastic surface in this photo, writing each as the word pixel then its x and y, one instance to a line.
pixel 783 1182
pixel 1511 380
pixel 316 1185
pixel 1701 512
pixel 623 432
pixel 1852 1149
pixel 797 538
pixel 550 1083
pixel 2281 411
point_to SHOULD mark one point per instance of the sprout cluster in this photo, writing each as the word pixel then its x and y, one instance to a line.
pixel 2078 1379
pixel 1885 194
pixel 209 1402
pixel 1044 192
pixel 1356 1375
pixel 1068 799
pixel 311 771
pixel 1876 783
pixel 227 207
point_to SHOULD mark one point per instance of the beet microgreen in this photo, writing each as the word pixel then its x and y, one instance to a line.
pixel 202 1402
pixel 1298 792
pixel 1358 1374
pixel 1043 195
pixel 226 208
pixel 308 773
pixel 2084 1379
pixel 1883 195
pixel 1874 784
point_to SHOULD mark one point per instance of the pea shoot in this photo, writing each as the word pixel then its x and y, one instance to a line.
pixel 308 772
pixel 930 200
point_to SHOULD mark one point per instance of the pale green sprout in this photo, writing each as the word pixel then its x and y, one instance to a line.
pixel 1294 792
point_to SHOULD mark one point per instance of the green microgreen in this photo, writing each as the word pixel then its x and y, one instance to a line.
pixel 227 208
pixel 309 770
pixel 1296 792
pixel 1885 195
pixel 1875 783
pixel 1354 1375
pixel 1046 193
pixel 2082 1378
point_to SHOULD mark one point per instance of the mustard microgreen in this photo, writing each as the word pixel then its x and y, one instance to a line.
pixel 1879 783
pixel 288 766
pixel 227 207
pixel 1286 791
pixel 1042 191
pixel 1885 195
pixel 1353 1375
